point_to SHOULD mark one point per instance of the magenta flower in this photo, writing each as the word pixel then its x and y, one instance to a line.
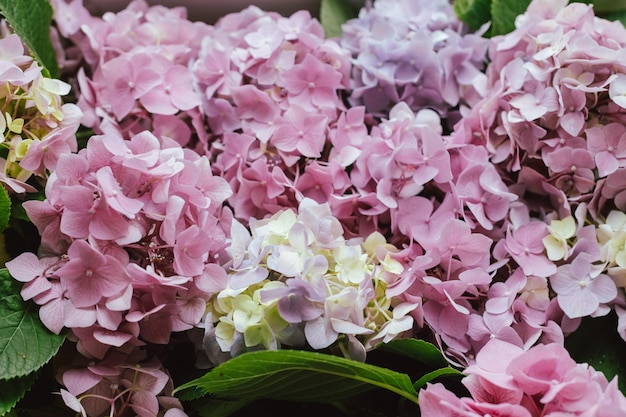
pixel 301 131
pixel 525 245
pixel 43 155
pixel 90 276
pixel 191 251
pixel 86 216
pixel 312 84
pixel 214 69
pixel 32 271
pixel 607 144
pixel 144 384
pixel 541 368
pixel 436 400
pixel 126 79
pixel 255 104
pixel 457 240
pixel 175 92
pixel 114 195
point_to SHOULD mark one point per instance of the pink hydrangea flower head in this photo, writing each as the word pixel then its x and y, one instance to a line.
pixel 507 380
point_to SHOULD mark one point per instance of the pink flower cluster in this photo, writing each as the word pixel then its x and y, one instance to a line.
pixel 133 68
pixel 130 233
pixel 553 124
pixel 268 89
pixel 553 116
pixel 476 267
pixel 509 228
pixel 271 94
pixel 541 381
pixel 257 92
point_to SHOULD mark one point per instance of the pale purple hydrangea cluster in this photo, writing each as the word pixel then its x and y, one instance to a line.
pixel 417 52
pixel 541 381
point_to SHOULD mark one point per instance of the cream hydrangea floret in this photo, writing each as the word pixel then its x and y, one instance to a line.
pixel 296 280
pixel 35 126
pixel 556 243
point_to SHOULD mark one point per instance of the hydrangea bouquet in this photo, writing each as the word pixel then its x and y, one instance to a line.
pixel 415 208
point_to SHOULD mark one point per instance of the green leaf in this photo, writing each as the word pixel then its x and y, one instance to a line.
pixel 5 208
pixel 419 350
pixel 503 14
pixel 602 7
pixel 616 16
pixel 424 352
pixel 447 371
pixel 295 376
pixel 25 343
pixel 31 21
pixel 13 390
pixel 219 408
pixel 17 208
pixel 474 13
pixel 333 14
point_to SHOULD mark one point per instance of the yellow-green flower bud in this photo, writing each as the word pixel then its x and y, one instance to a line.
pixel 22 148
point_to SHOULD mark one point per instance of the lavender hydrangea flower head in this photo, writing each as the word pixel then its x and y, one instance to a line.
pixel 414 51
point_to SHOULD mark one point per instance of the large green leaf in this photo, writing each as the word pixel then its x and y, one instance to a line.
pixel 13 390
pixel 219 408
pixel 25 343
pixel 504 13
pixel 31 20
pixel 333 14
pixel 417 349
pixel 447 371
pixel 295 376
pixel 474 13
